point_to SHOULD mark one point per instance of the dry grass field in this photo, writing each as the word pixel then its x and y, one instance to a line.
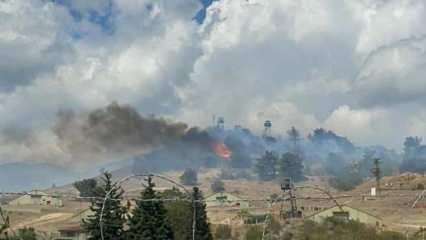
pixel 394 205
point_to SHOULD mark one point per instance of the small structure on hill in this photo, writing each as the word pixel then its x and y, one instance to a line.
pixel 346 213
pixel 37 197
pixel 226 200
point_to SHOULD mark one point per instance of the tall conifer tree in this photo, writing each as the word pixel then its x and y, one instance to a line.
pixel 149 219
pixel 113 216
pixel 202 228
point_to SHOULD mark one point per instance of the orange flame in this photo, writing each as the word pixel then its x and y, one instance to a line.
pixel 222 150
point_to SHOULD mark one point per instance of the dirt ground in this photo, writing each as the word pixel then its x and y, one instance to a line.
pixel 394 205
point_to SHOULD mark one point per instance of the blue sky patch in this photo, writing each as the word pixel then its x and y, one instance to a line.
pixel 201 15
pixel 103 18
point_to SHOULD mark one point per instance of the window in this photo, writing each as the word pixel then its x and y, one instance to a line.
pixel 344 216
pixel 221 198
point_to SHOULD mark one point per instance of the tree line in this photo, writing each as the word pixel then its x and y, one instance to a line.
pixel 151 217
pixel 271 166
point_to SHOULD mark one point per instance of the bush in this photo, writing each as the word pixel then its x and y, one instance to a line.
pixel 189 177
pixel 420 186
pixel 223 232
pixel 333 229
pixel 25 234
pixel 254 233
pixel 217 186
pixel 388 235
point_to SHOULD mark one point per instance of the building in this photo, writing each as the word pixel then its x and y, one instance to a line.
pixel 226 200
pixel 37 197
pixel 346 213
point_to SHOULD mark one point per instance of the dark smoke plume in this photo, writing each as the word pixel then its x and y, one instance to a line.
pixel 118 130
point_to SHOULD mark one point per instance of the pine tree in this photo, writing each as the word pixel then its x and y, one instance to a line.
pixel 113 217
pixel 291 166
pixel 149 219
pixel 294 137
pixel 265 166
pixel 179 213
pixel 202 227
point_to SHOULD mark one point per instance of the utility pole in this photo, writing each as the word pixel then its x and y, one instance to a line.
pixel 377 173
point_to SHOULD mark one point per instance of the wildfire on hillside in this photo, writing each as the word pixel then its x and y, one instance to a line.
pixel 222 150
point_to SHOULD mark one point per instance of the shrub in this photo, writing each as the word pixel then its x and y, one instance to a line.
pixel 334 229
pixel 388 235
pixel 25 234
pixel 254 233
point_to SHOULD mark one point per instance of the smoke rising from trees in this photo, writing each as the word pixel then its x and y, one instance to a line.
pixel 120 131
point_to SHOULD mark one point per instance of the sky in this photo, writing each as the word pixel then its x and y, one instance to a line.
pixel 356 67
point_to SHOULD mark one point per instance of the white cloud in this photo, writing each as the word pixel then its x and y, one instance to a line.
pixel 363 126
pixel 385 22
pixel 32 41
pixel 351 66
pixel 393 74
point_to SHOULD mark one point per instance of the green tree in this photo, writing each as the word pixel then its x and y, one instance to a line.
pixel 149 220
pixel 202 227
pixel 291 166
pixel 217 186
pixel 113 214
pixel 294 138
pixel 179 213
pixel 189 177
pixel 86 187
pixel 265 166
pixel 347 178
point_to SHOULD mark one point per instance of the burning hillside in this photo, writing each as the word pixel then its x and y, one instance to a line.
pixel 222 150
pixel 118 131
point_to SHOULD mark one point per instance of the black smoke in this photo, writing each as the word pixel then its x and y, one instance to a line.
pixel 155 143
pixel 120 131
